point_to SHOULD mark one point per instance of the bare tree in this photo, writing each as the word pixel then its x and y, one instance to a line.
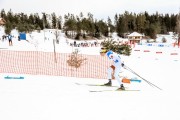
pixel 57 36
pixel 75 60
pixel 56 41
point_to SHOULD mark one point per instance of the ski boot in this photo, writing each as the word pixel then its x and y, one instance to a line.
pixel 108 83
pixel 121 87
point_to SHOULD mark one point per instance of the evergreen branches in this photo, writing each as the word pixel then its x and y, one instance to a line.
pixel 124 49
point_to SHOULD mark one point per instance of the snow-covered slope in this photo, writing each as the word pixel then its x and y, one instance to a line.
pixel 38 97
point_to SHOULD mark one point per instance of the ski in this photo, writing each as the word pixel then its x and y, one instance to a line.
pixel 96 85
pixel 113 90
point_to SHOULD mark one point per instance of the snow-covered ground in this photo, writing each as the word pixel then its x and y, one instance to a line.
pixel 41 97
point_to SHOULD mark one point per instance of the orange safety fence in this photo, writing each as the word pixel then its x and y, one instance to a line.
pixel 43 63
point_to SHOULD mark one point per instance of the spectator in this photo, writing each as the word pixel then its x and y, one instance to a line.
pixel 18 38
pixel 10 39
pixel 74 43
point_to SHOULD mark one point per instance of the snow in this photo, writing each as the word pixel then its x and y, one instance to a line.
pixel 42 97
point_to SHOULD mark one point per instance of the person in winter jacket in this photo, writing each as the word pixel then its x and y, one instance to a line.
pixel 10 39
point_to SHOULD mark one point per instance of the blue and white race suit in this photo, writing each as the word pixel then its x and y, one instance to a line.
pixel 116 63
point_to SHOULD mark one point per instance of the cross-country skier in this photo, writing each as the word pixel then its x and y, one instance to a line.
pixel 115 68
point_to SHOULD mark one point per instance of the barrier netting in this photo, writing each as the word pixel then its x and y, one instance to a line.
pixel 43 63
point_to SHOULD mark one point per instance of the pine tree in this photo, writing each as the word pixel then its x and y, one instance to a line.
pixel 178 27
pixel 54 20
pixel 124 49
pixel 3 14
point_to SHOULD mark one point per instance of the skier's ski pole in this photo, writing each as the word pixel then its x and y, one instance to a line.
pixel 142 77
pixel 138 76
pixel 151 84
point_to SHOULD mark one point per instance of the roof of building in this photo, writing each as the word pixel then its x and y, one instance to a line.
pixel 135 34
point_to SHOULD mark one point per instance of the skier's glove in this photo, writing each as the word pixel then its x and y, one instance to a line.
pixel 113 67
pixel 122 64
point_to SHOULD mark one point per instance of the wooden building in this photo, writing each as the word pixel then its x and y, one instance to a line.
pixel 135 37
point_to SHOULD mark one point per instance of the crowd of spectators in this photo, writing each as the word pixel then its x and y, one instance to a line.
pixel 84 43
